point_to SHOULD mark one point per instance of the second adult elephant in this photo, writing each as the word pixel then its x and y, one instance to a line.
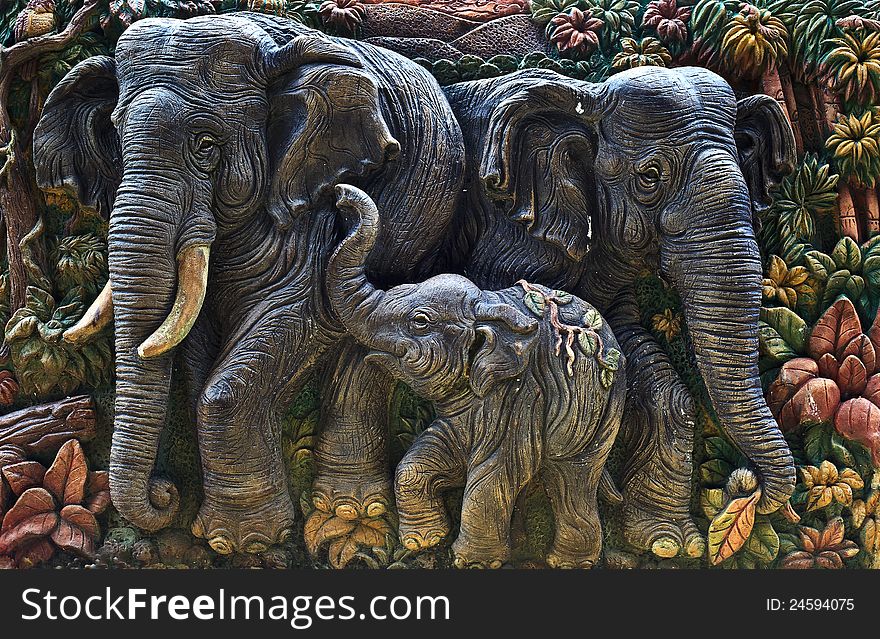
pixel 214 144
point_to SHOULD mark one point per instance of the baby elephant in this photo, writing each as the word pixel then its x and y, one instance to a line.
pixel 526 380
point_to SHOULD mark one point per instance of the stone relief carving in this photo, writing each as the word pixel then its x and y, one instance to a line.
pixel 308 235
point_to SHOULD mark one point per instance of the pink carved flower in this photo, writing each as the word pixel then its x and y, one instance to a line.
pixel 575 31
pixel 345 15
pixel 669 20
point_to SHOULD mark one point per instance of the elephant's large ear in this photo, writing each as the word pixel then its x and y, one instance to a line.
pixel 326 125
pixel 765 145
pixel 76 148
pixel 504 337
pixel 538 154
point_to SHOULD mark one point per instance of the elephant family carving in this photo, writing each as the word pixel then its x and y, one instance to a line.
pixel 216 143
pixel 511 403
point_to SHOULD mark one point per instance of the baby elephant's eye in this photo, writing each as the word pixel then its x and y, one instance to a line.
pixel 420 320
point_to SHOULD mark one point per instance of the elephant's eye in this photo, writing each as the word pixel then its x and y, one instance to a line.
pixel 648 180
pixel 420 321
pixel 206 150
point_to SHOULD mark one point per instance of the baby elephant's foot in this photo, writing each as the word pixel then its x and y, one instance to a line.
pixel 419 534
pixel 665 537
pixel 562 560
pixel 253 531
pixel 469 555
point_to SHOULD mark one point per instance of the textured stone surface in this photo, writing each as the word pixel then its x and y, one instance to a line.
pixel 428 48
pixel 512 35
pixel 405 21
pixel 479 10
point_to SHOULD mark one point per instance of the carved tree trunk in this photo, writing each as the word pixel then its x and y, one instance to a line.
pixel 44 428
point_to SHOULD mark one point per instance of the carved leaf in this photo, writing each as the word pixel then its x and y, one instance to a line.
pixel 33 553
pixel 815 402
pixel 342 551
pixel 97 491
pixel 77 531
pixel 792 376
pixel 562 297
pixel 862 348
pixel 790 326
pixel 859 420
pixel 846 255
pixel 310 531
pixel 34 527
pixel 828 366
pixel 24 475
pixel 592 319
pixel 34 501
pixel 66 477
pixel 730 529
pixel 371 533
pixel 589 342
pixel 852 376
pixel 835 329
pixel 763 543
pixel 534 301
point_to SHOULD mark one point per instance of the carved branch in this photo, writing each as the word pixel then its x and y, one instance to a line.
pixel 43 428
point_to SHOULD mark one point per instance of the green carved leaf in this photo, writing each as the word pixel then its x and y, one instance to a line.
pixel 846 255
pixel 836 286
pixel 562 297
pixel 772 345
pixel 789 325
pixel 817 443
pixel 592 319
pixel 534 301
pixel 589 343
pixel 720 448
pixel 763 543
pixel 715 472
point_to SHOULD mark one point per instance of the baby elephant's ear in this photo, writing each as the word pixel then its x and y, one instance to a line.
pixel 504 338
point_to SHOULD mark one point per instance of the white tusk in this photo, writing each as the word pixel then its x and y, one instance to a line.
pixel 96 317
pixel 192 282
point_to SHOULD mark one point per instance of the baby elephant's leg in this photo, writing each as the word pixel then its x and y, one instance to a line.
pixel 434 463
pixel 572 486
pixel 487 506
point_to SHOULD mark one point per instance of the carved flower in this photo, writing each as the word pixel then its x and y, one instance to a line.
pixel 826 549
pixel 667 323
pixel 825 485
pixel 575 31
pixel 755 40
pixel 344 15
pixel 56 507
pixel 839 381
pixel 669 20
pixel 854 66
pixel 783 284
pixel 8 388
pixel 855 145
pixel 647 53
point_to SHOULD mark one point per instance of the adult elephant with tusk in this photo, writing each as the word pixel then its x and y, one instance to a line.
pixel 214 145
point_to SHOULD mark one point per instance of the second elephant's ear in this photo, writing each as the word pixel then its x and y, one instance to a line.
pixel 326 126
pixel 538 156
pixel 765 145
pixel 76 148
pixel 504 338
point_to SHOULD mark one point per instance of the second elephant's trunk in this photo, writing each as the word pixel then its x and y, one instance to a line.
pixel 717 271
pixel 352 296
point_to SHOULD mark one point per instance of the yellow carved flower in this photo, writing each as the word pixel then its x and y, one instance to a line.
pixel 825 485
pixel 667 323
pixel 783 284
pixel 855 145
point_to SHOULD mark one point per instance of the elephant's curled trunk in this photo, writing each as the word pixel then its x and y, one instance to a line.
pixel 352 296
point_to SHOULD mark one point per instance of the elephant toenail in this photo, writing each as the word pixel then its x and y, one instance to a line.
pixel 221 545
pixel 284 535
pixel 376 509
pixel 665 547
pixel 696 547
pixel 411 543
pixel 256 547
pixel 320 503
pixel 495 563
pixel 433 540
pixel 347 511
pixel 460 562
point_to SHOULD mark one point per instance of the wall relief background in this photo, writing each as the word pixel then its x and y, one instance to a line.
pixel 562 283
